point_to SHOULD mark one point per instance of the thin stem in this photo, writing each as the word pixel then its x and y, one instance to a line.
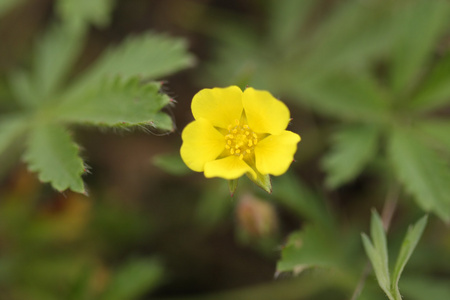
pixel 390 205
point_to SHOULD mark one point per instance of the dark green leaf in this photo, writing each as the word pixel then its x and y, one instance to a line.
pixel 421 24
pixel 353 148
pixel 171 163
pixel 307 248
pixel 435 91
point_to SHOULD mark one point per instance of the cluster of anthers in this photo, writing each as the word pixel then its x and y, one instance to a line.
pixel 240 140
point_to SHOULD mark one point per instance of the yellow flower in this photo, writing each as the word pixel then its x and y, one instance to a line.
pixel 237 133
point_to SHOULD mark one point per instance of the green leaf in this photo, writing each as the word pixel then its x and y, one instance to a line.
pixel 149 55
pixel 263 181
pixel 347 96
pixel 287 17
pixel 11 128
pixel 423 287
pixel 52 153
pixel 292 193
pixel 232 186
pixel 438 130
pixel 23 89
pixel 421 171
pixel 117 102
pixel 377 264
pixel 379 241
pixel 307 248
pixel 354 32
pixel 133 280
pixel 353 148
pixel 409 244
pixel 427 20
pixel 171 163
pixel 435 91
pixel 81 13
pixel 54 56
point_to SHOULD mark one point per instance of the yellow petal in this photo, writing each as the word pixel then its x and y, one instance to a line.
pixel 265 114
pixel 275 153
pixel 220 106
pixel 201 143
pixel 230 167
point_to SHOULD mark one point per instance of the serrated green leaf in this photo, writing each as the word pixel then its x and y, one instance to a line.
pixel 409 244
pixel 435 91
pixel 421 171
pixel 353 148
pixel 427 20
pixel 438 130
pixel 11 128
pixel 81 13
pixel 307 248
pixel 171 163
pixel 54 156
pixel 117 102
pixel 133 280
pixel 347 96
pixel 148 55
pixel 54 56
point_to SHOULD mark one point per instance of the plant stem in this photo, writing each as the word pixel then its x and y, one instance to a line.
pixel 390 204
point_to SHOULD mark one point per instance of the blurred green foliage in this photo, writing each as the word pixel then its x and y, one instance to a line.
pixel 367 83
pixel 115 91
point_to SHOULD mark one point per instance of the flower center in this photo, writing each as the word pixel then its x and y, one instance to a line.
pixel 240 140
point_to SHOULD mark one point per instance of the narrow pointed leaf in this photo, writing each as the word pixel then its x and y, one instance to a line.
pixel 54 156
pixel 232 186
pixel 353 148
pixel 379 240
pixel 117 102
pixel 263 181
pixel 377 264
pixel 409 244
pixel 421 171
